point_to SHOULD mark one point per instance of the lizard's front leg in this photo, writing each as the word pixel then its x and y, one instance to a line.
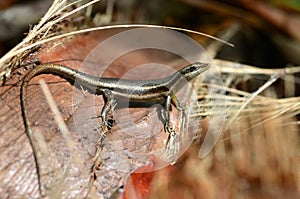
pixel 171 99
pixel 168 127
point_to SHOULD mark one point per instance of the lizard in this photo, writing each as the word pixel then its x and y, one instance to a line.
pixel 161 90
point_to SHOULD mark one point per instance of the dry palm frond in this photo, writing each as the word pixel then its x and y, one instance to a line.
pixel 49 26
pixel 238 101
pixel 234 105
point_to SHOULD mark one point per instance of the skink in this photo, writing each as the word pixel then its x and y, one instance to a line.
pixel 114 89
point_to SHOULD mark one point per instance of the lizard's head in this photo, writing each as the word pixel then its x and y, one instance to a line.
pixel 193 70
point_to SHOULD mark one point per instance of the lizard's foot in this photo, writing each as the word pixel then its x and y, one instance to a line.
pixel 169 129
pixel 108 123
